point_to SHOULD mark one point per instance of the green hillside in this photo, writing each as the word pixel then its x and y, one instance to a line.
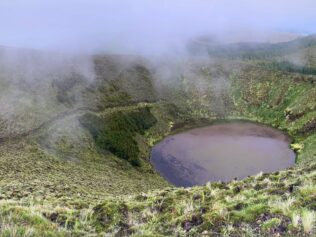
pixel 74 151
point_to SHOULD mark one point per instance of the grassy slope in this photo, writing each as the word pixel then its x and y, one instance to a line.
pixel 282 203
pixel 63 161
pixel 52 180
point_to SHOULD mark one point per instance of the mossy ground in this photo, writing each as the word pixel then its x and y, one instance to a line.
pixel 59 179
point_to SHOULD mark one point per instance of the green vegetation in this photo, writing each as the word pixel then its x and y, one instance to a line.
pixel 116 133
pixel 78 164
pixel 263 205
pixel 256 51
pixel 286 66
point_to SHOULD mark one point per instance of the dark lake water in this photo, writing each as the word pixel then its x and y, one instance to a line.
pixel 221 153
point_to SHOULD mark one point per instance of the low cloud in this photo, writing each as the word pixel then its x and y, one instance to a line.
pixel 147 26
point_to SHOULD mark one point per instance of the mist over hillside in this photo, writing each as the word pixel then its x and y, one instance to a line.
pixel 77 130
pixel 89 91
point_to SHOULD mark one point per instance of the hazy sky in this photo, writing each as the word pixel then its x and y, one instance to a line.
pixel 149 25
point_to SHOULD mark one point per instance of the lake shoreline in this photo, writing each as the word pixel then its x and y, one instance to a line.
pixel 221 152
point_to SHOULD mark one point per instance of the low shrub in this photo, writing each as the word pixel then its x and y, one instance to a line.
pixel 116 133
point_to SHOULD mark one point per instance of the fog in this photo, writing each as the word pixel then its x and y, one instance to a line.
pixel 48 63
pixel 148 26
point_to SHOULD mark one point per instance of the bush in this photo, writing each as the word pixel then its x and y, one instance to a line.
pixel 116 133
pixel 120 143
